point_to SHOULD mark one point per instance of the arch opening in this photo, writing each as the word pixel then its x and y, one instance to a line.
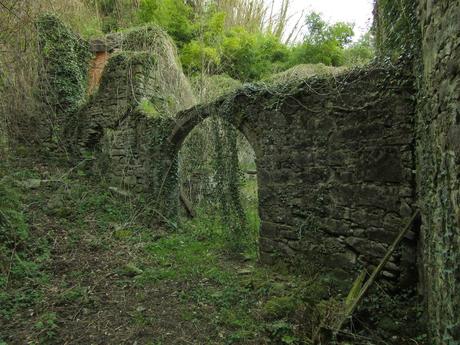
pixel 218 187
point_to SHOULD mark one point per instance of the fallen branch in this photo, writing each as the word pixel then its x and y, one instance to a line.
pixel 187 205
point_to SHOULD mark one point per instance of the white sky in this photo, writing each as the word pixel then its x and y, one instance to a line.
pixel 351 11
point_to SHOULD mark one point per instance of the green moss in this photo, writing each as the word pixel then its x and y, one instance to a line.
pixel 146 107
pixel 13 227
pixel 281 306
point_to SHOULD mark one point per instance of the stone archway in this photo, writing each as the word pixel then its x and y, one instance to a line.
pixel 173 133
pixel 217 176
pixel 334 159
pixel 228 108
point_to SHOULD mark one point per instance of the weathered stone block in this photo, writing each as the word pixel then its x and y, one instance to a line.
pixel 381 165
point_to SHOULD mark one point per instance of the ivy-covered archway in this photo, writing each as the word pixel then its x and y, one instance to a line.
pixel 217 178
pixel 334 155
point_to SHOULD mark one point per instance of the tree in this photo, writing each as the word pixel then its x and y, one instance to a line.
pixel 316 28
pixel 341 33
pixel 175 16
pixel 323 43
pixel 360 52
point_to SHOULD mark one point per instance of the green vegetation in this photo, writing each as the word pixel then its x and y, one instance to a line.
pixel 245 302
pixel 207 44
pixel 211 40
pixel 236 38
pixel 148 108
pixel 396 29
pixel 64 77
pixel 66 59
pixel 21 255
pixel 76 248
pixel 72 248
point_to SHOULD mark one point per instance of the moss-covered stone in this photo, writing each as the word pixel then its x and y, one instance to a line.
pixel 438 166
pixel 432 39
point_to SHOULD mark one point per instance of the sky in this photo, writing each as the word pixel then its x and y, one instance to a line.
pixel 352 11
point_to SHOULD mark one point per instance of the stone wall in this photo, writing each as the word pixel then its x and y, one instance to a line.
pixel 334 158
pixel 124 124
pixel 335 166
pixel 429 31
pixel 116 127
pixel 438 165
pixel 124 83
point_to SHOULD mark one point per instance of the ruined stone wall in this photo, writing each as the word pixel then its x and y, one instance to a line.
pixel 438 165
pixel 429 31
pixel 334 163
pixel 116 127
pixel 124 124
pixel 341 164
pixel 122 87
pixel 139 160
pixel 334 157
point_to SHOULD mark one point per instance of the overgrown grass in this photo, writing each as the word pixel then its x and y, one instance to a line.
pixel 241 301
pixel 249 303
pixel 21 255
pixel 37 208
pixel 70 249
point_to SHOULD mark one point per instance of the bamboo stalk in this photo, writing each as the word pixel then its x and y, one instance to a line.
pixel 324 335
pixel 350 308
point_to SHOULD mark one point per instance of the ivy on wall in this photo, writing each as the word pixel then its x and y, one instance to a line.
pixel 424 31
pixel 396 28
pixel 228 180
pixel 64 77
